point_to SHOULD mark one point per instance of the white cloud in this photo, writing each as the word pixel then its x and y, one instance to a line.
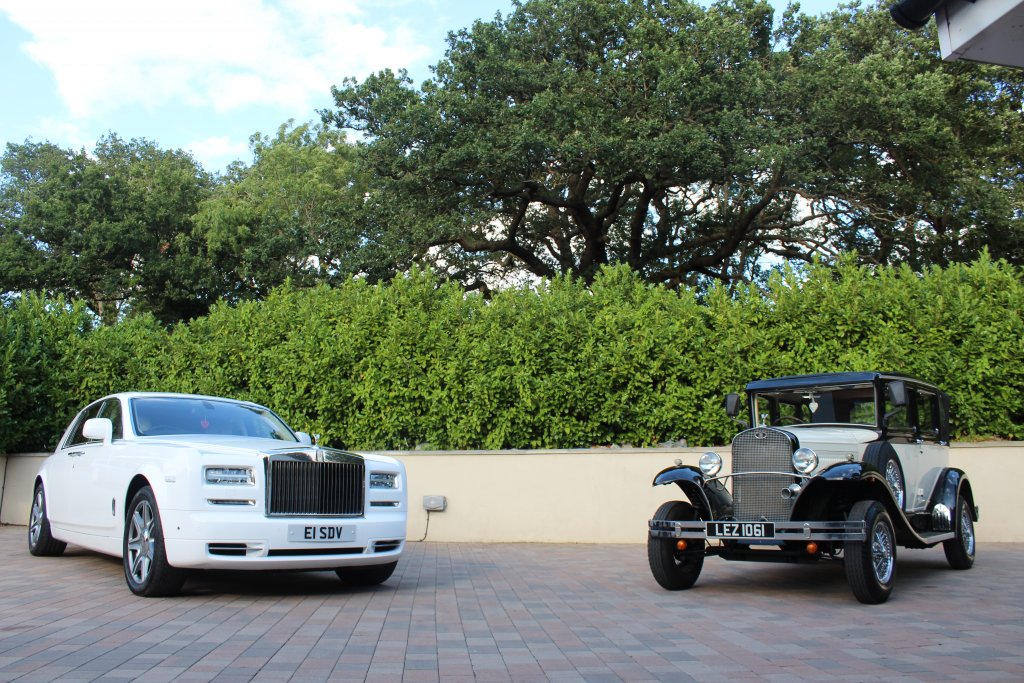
pixel 225 54
pixel 218 147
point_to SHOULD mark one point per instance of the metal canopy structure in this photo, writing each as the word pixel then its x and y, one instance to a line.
pixel 987 31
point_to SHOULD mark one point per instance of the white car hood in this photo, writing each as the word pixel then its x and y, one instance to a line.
pixel 244 445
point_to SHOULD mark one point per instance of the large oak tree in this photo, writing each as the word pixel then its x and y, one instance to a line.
pixel 688 142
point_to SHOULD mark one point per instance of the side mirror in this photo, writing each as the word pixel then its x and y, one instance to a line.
pixel 304 438
pixel 98 429
pixel 733 404
pixel 897 393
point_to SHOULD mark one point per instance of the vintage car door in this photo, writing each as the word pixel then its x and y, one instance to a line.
pixel 934 452
pixel 901 433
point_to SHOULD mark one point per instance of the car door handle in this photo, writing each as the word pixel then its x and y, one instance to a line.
pixel 75 454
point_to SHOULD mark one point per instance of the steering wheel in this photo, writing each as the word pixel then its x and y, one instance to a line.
pixel 788 419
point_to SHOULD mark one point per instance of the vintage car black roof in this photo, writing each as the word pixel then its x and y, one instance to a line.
pixel 830 378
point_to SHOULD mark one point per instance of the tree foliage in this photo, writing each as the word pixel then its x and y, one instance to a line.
pixel 418 362
pixel 111 228
pixel 689 142
pixel 294 214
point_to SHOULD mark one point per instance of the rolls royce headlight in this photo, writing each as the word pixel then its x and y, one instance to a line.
pixel 236 476
pixel 710 464
pixel 805 460
pixel 383 480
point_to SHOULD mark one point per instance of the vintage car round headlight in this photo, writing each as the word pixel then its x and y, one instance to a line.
pixel 805 460
pixel 710 463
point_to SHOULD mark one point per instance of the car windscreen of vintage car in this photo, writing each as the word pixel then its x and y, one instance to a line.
pixel 844 404
pixel 169 415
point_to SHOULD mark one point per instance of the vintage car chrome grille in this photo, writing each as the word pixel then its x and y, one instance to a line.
pixel 758 496
pixel 301 487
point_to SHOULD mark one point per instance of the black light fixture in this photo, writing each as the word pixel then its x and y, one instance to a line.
pixel 914 14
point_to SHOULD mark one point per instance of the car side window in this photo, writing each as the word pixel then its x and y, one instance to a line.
pixel 111 409
pixel 77 438
pixel 899 416
pixel 927 405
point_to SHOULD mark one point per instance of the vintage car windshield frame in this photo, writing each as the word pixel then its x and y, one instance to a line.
pixel 180 415
pixel 842 404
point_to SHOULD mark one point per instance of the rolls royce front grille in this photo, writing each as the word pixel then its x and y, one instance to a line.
pixel 758 496
pixel 304 488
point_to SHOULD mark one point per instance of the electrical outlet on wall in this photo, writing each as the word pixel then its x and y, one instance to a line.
pixel 435 503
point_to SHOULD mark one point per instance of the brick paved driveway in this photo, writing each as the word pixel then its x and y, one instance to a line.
pixel 461 612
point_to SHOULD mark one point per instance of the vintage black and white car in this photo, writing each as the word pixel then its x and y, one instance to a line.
pixel 845 466
pixel 174 482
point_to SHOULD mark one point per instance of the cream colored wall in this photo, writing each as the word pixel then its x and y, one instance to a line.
pixel 996 473
pixel 605 495
pixel 588 496
pixel 580 496
pixel 20 472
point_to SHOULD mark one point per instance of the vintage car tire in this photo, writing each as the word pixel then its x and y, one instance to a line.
pixel 366 576
pixel 146 569
pixel 40 542
pixel 671 572
pixel 960 550
pixel 871 564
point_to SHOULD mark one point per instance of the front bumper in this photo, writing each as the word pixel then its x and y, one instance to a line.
pixel 249 540
pixel 783 531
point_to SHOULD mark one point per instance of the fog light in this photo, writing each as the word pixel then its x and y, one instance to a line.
pixel 812 548
pixel 681 544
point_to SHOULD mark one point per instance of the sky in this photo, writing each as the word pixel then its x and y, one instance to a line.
pixel 205 75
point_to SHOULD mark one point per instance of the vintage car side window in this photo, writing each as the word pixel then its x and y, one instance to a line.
pixel 927 414
pixel 77 438
pixel 899 416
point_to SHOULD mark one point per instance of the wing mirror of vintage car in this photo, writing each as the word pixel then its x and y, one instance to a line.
pixel 98 429
pixel 897 393
pixel 304 438
pixel 733 405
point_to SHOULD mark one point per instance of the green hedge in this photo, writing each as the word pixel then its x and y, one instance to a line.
pixel 418 363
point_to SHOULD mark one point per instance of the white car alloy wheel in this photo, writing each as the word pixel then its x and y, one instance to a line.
pixel 36 518
pixel 140 542
pixel 146 569
pixel 40 541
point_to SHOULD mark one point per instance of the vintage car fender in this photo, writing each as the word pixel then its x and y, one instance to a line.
pixel 711 499
pixel 852 480
pixel 951 484
pixel 861 481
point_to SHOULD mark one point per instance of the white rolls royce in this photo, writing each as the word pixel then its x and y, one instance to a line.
pixel 173 482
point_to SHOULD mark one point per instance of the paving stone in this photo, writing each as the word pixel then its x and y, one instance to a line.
pixel 455 613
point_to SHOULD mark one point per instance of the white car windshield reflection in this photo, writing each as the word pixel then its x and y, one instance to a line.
pixel 166 416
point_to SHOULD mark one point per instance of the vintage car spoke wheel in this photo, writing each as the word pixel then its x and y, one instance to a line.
pixel 672 569
pixel 871 564
pixel 40 542
pixel 366 576
pixel 145 561
pixel 894 477
pixel 960 550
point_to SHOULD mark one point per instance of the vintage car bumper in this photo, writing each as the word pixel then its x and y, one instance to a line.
pixel 249 540
pixel 752 531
